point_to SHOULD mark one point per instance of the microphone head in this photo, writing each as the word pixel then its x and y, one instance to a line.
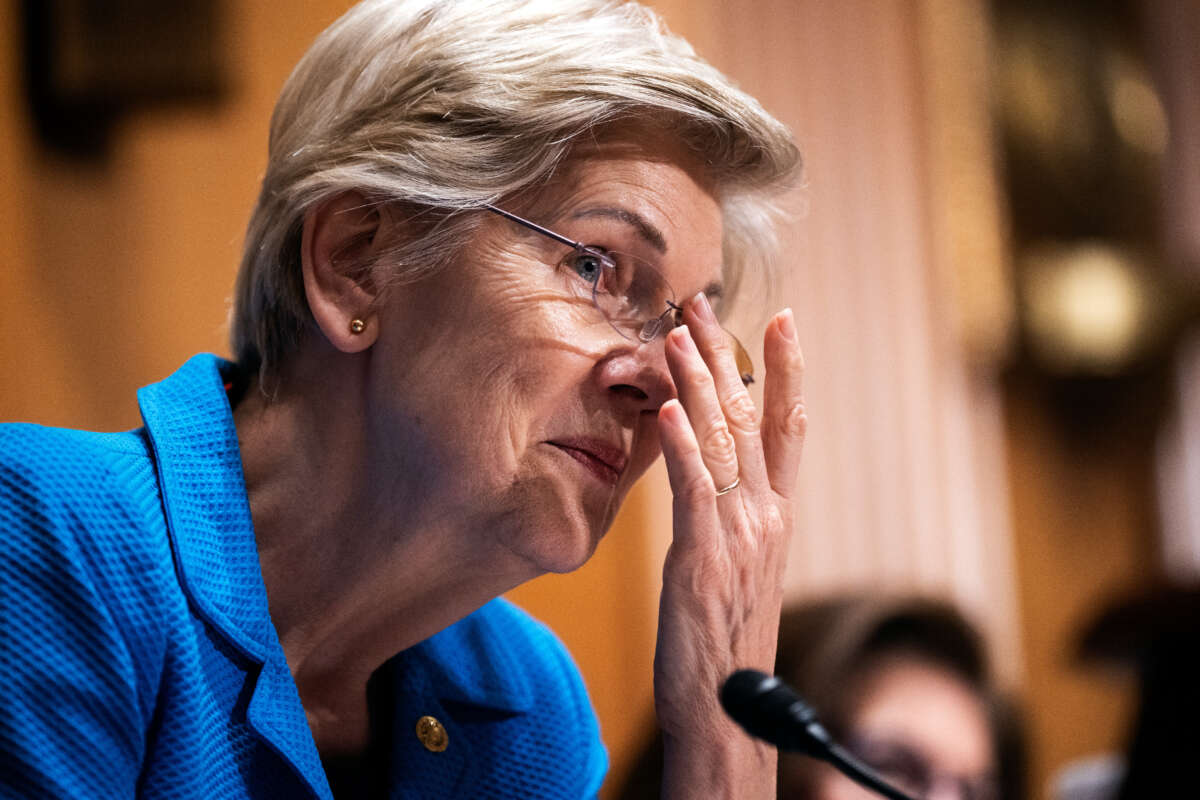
pixel 769 709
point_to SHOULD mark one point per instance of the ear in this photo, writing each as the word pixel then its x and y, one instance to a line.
pixel 339 239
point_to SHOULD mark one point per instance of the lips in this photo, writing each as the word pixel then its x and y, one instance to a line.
pixel 602 459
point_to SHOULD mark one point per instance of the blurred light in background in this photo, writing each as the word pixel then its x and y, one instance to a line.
pixel 1090 308
pixel 1137 113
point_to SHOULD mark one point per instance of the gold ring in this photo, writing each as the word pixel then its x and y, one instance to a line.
pixel 736 482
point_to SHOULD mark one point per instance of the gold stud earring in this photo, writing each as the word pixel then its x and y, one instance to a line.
pixel 357 326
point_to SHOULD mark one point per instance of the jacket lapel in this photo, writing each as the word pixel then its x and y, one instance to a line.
pixel 199 467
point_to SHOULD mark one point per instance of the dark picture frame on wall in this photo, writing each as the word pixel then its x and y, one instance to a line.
pixel 88 62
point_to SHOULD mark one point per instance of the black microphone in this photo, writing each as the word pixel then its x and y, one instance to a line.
pixel 770 710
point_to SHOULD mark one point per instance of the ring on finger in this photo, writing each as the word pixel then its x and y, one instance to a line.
pixel 726 490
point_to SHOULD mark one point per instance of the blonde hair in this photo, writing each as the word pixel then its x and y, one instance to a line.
pixel 446 105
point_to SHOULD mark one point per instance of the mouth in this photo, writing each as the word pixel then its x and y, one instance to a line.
pixel 601 459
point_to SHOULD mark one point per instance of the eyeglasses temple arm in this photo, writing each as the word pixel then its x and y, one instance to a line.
pixel 533 226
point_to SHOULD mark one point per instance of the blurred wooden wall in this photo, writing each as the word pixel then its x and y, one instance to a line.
pixel 115 271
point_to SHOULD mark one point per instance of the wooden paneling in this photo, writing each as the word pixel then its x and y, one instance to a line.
pixel 1084 522
pixel 124 265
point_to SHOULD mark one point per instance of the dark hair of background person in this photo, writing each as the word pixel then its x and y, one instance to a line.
pixel 1156 635
pixel 824 645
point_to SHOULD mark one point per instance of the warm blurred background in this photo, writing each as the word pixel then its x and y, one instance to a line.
pixel 995 268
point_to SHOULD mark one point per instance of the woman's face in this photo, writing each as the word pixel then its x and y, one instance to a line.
pixel 923 728
pixel 506 394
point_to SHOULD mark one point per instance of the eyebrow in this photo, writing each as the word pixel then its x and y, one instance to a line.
pixel 645 229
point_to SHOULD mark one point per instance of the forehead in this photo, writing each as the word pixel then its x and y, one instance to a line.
pixel 923 704
pixel 654 191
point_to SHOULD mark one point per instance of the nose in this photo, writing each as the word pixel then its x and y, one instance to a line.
pixel 636 375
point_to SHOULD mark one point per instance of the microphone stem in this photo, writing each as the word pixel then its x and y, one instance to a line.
pixel 860 773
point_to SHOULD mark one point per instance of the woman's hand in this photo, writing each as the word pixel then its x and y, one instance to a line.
pixel 722 580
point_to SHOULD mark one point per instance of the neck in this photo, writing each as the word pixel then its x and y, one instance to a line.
pixel 356 567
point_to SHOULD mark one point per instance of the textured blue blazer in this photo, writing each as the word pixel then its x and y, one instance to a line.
pixel 138 657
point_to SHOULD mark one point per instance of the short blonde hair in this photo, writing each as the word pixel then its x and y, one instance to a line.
pixel 446 105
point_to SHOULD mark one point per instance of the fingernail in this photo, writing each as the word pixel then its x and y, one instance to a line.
pixel 787 325
pixel 683 340
pixel 703 309
pixel 672 413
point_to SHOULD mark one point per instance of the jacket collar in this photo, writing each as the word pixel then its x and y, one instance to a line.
pixel 190 427
pixel 199 465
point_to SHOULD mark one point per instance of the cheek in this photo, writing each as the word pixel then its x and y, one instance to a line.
pixel 543 347
pixel 519 368
pixel 556 325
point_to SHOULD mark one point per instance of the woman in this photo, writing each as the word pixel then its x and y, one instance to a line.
pixel 902 683
pixel 477 297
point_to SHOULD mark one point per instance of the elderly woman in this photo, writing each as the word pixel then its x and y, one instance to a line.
pixel 480 292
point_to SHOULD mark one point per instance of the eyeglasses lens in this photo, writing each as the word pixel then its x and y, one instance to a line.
pixel 639 303
pixel 630 293
pixel 901 766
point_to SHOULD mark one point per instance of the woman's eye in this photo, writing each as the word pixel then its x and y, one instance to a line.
pixel 588 266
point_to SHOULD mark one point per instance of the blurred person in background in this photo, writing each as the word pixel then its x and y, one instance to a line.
pixel 1155 635
pixel 479 296
pixel 902 683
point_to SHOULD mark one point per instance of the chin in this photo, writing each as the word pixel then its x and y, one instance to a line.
pixel 563 562
pixel 565 543
pixel 557 533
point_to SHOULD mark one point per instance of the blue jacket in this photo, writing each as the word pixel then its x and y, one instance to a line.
pixel 138 657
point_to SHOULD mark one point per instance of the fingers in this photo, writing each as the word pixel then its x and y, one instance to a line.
pixel 732 443
pixel 784 419
pixel 691 484
pixel 697 393
pixel 685 468
pixel 735 404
